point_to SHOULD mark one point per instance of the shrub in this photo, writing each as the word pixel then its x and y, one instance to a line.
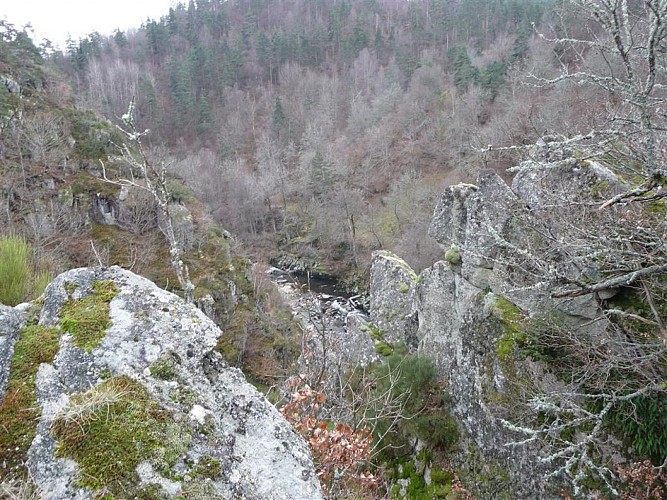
pixel 413 381
pixel 41 280
pixel 19 279
pixel 15 269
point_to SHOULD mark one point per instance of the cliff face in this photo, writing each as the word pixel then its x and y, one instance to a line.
pixel 467 312
pixel 136 401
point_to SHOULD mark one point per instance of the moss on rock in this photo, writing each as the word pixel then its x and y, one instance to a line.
pixel 87 319
pixel 453 255
pixel 511 318
pixel 18 413
pixel 112 428
pixel 165 367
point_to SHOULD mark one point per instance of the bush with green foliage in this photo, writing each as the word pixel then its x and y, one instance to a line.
pixel 19 279
pixel 642 422
pixel 413 380
pixel 15 269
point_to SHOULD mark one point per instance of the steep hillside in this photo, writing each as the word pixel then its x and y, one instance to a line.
pixel 54 156
pixel 323 131
pixel 519 349
pixel 127 398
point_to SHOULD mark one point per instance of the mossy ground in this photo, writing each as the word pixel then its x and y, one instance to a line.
pixel 453 255
pixel 208 467
pixel 109 442
pixel 417 489
pixel 18 412
pixel 87 319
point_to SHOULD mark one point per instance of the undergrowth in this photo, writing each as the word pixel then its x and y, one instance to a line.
pixel 111 429
pixel 19 411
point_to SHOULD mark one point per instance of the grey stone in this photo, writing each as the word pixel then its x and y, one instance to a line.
pixel 11 322
pixel 12 86
pixel 261 455
pixel 493 270
pixel 104 210
pixel 543 186
pixel 393 286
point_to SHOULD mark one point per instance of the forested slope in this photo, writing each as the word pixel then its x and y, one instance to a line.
pixel 319 132
pixel 324 129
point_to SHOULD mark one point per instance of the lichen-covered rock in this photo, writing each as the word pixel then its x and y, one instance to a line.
pixel 501 255
pixel 150 408
pixel 12 86
pixel 11 321
pixel 471 220
pixel 460 328
pixel 546 186
pixel 393 286
pixel 335 334
pixel 451 215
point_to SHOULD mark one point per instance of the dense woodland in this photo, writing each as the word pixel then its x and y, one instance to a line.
pixel 327 129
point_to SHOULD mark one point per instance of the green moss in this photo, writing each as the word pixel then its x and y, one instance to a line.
pixel 18 412
pixel 151 491
pixel 404 288
pixel 601 189
pixel 657 207
pixel 382 347
pixel 511 318
pixel 113 427
pixel 208 467
pixel 165 367
pixel 184 396
pixel 441 476
pixel 198 490
pixel 488 477
pixel 87 319
pixel 70 288
pixel 453 255
pixel 417 489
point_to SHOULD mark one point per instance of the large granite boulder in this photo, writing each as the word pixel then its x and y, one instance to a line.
pixel 547 186
pixel 146 408
pixel 393 286
pixel 503 255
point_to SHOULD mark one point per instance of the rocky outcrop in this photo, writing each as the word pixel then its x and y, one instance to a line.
pixel 12 86
pixel 11 321
pixel 468 307
pixel 333 330
pixel 150 387
pixel 392 308
pixel 104 210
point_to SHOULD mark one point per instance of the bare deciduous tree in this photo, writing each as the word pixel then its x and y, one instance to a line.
pixel 608 244
pixel 44 133
pixel 143 174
